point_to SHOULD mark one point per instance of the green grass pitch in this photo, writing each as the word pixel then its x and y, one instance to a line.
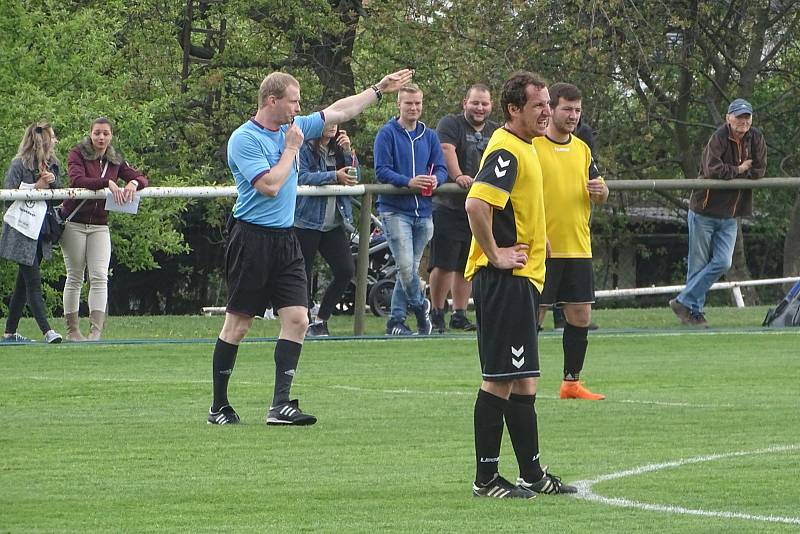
pixel 112 437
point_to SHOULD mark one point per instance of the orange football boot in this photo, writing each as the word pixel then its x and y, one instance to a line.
pixel 573 389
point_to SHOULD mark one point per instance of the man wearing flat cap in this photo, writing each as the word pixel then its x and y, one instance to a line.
pixel 735 150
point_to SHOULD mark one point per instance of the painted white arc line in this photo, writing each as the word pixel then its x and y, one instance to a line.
pixel 585 491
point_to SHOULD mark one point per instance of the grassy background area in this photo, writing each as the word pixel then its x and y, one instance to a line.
pixel 112 437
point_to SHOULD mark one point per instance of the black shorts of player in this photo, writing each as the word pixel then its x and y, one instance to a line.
pixel 264 268
pixel 568 281
pixel 451 238
pixel 506 307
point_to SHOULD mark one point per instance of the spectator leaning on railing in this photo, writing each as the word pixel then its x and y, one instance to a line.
pixel 464 137
pixel 86 243
pixel 735 150
pixel 321 222
pixel 408 154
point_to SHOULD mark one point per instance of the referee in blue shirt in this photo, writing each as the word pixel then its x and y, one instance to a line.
pixel 263 262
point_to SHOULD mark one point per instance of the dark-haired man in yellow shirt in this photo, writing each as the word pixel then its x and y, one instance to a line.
pixel 506 265
pixel 571 183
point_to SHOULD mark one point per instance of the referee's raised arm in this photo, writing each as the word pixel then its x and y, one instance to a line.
pixel 345 109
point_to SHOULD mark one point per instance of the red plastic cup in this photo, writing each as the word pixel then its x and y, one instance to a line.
pixel 428 190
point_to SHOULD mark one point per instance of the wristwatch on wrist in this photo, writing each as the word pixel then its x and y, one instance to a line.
pixel 378 92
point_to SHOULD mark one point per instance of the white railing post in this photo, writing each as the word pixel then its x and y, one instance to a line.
pixel 737 296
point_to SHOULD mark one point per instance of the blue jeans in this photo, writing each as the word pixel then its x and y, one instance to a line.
pixel 711 243
pixel 407 237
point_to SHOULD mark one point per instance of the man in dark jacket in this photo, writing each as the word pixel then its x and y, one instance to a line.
pixel 735 150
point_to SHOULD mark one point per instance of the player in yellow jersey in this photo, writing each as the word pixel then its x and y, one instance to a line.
pixel 571 184
pixel 506 266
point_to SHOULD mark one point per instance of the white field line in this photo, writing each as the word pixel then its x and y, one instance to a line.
pixel 585 488
pixel 681 333
pixel 549 335
pixel 538 396
pixel 122 380
pixel 362 390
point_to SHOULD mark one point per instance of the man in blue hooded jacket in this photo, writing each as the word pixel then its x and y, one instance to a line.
pixel 408 154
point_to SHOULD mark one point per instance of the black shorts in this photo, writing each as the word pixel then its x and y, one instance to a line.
pixel 451 239
pixel 568 281
pixel 264 268
pixel 506 307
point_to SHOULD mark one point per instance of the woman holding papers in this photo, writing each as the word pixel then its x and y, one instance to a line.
pixel 34 167
pixel 93 164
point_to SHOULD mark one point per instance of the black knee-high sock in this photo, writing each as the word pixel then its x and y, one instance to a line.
pixel 221 369
pixel 287 354
pixel 520 414
pixel 488 422
pixel 575 342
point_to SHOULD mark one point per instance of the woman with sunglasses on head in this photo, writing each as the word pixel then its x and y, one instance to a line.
pixel 93 164
pixel 35 164
pixel 320 222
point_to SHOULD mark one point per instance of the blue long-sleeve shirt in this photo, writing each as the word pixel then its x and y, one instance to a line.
pixel 399 156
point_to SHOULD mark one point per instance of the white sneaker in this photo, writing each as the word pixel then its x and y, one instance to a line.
pixel 52 337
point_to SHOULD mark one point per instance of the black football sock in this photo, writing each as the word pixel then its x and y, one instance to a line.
pixel 287 354
pixel 574 342
pixel 221 370
pixel 488 420
pixel 520 414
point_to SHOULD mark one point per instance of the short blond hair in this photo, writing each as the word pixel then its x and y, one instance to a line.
pixel 410 88
pixel 275 85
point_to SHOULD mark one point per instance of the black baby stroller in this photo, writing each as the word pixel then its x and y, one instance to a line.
pixel 381 273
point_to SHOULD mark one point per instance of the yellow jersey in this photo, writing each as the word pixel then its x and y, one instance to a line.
pixel 510 180
pixel 565 167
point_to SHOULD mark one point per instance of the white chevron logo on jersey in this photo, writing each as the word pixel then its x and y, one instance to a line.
pixel 501 165
pixel 518 352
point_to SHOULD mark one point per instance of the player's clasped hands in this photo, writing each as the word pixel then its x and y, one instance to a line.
pixel 514 257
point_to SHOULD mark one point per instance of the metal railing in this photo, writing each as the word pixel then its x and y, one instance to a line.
pixel 368 190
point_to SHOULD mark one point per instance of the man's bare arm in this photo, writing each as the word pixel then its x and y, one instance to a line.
pixel 345 109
